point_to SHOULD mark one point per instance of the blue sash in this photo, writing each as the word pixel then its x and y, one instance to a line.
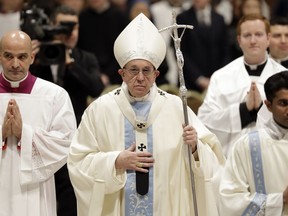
pixel 260 197
pixel 136 204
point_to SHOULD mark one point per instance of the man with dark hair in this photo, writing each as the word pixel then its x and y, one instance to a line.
pixel 258 156
pixel 278 47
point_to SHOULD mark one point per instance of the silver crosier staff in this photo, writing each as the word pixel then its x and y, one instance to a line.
pixel 182 90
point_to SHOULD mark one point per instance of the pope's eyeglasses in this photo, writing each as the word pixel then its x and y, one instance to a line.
pixel 135 71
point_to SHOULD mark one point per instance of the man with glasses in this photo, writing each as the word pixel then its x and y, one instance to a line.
pixel 129 155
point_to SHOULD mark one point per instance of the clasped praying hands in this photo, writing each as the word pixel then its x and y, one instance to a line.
pixel 12 125
pixel 254 99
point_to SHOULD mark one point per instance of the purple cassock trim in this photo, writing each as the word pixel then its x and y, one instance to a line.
pixel 25 87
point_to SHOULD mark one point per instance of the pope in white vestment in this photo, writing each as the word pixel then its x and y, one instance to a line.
pixel 100 137
pixel 227 89
pixel 116 120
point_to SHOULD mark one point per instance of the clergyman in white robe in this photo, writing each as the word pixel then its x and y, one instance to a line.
pixel 227 89
pixel 240 193
pixel 100 188
pixel 27 170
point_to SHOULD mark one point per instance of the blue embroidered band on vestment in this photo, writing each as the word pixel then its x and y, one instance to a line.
pixel 136 204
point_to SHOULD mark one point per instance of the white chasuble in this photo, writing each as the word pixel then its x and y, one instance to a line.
pixel 101 136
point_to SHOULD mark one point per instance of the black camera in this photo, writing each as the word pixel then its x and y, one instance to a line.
pixel 36 24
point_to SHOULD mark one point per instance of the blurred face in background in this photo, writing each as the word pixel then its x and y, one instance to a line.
pixel 8 6
pixel 140 7
pixel 251 7
pixel 97 4
pixel 122 4
pixel 200 4
pixel 176 3
pixel 279 41
pixel 71 40
pixel 77 5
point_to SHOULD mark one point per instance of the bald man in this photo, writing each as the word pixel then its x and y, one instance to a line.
pixel 37 123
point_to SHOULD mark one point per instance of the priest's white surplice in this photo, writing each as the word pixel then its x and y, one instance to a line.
pixel 227 89
pixel 27 175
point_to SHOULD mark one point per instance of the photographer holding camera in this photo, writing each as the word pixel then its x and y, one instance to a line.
pixel 78 72
pixel 74 69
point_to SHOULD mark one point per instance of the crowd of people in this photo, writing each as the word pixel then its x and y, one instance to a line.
pixel 92 122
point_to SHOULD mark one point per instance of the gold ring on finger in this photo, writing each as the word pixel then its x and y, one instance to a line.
pixel 139 165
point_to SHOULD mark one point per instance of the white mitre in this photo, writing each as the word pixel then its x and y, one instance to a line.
pixel 140 40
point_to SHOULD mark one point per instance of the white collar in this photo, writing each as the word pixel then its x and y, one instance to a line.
pixel 254 66
pixel 280 60
pixel 14 84
pixel 275 130
pixel 147 97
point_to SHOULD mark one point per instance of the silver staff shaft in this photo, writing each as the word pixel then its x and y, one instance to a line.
pixel 183 91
